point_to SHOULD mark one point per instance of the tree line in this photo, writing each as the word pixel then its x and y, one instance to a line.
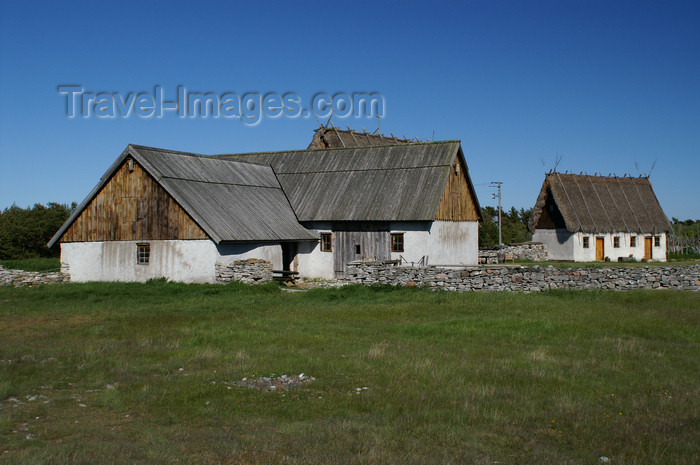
pixel 513 231
pixel 24 232
pixel 687 228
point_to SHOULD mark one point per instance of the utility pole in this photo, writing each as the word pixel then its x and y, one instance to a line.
pixel 497 184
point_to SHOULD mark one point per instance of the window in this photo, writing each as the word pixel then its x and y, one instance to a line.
pixel 357 249
pixel 616 242
pixel 143 253
pixel 586 242
pixel 397 242
pixel 633 241
pixel 657 241
pixel 326 242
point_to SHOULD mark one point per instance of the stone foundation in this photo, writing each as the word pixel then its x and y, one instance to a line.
pixel 252 271
pixel 534 251
pixel 527 279
pixel 19 278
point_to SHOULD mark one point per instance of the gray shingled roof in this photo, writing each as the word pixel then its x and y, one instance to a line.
pixel 373 183
pixel 230 200
pixel 600 204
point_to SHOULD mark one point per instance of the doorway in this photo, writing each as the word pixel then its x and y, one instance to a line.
pixel 289 255
pixel 600 249
pixel 359 241
pixel 648 247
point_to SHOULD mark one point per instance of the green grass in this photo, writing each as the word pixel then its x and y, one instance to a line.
pixel 33 264
pixel 558 378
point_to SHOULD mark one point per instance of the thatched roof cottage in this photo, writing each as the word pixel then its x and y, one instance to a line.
pixel 586 218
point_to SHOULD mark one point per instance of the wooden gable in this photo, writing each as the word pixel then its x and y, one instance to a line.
pixel 132 206
pixel 457 202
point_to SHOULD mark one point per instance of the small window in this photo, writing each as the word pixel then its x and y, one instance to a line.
pixel 616 242
pixel 397 242
pixel 357 249
pixel 633 241
pixel 326 242
pixel 586 242
pixel 143 253
pixel 657 241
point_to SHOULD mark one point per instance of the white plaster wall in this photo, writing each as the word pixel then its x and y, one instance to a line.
pixel 559 242
pixel 562 245
pixel 312 262
pixel 443 242
pixel 637 252
pixel 231 252
pixel 587 255
pixel 177 260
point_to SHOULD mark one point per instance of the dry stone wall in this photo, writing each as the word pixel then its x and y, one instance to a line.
pixel 534 251
pixel 252 271
pixel 527 279
pixel 19 278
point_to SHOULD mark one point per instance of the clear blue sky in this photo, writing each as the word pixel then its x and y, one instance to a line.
pixel 604 84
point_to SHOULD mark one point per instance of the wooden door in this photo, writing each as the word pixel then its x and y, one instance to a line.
pixel 600 248
pixel 360 242
pixel 648 242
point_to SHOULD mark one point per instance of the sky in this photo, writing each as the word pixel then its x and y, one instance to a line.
pixel 605 86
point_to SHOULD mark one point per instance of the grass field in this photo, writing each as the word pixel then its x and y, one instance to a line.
pixel 144 373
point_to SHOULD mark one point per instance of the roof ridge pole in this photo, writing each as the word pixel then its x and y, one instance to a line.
pixel 630 205
pixel 569 199
pixel 595 226
pixel 653 226
pixel 337 134
pixel 352 134
pixel 612 226
pixel 392 135
pixel 367 136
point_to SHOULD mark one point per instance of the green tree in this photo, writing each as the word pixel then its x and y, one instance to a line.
pixel 25 232
pixel 514 229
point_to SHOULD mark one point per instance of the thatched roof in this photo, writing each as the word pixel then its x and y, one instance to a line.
pixel 332 137
pixel 598 204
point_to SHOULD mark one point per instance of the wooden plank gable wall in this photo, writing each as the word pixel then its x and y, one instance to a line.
pixel 132 206
pixel 456 203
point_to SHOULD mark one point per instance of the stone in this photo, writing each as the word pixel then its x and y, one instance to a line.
pixel 21 278
pixel 526 279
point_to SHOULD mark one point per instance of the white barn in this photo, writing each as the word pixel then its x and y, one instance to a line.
pixel 160 213
pixel 592 218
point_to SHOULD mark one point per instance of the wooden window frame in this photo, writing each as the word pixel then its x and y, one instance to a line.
pixel 143 253
pixel 657 241
pixel 633 241
pixel 326 242
pixel 397 242
pixel 616 242
pixel 586 243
